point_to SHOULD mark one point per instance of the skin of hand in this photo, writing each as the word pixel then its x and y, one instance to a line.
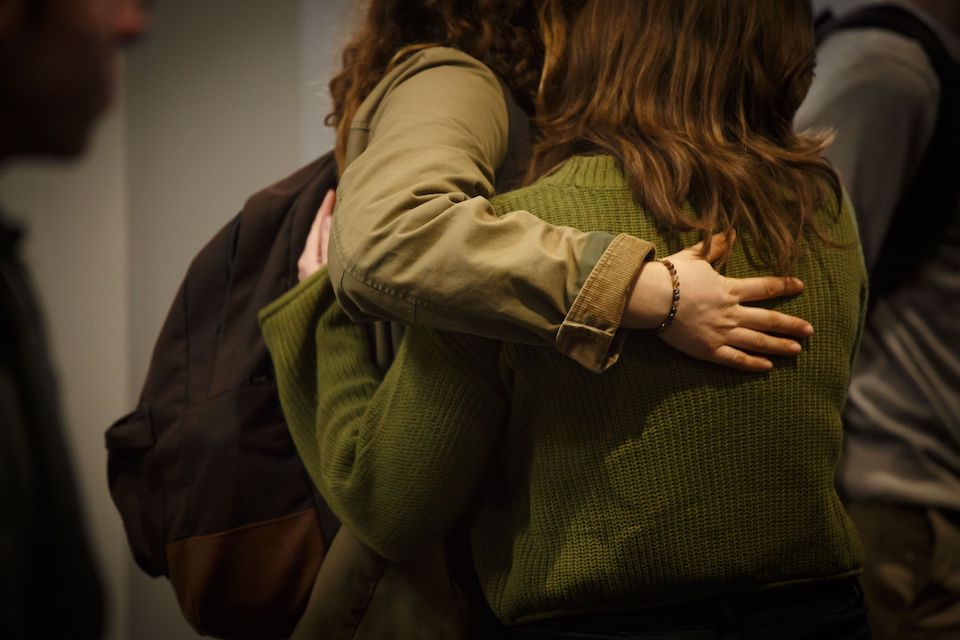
pixel 711 323
pixel 315 252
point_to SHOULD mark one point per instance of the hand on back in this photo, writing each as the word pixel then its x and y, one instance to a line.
pixel 712 323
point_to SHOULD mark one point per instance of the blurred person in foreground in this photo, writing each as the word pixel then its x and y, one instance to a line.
pixel 58 68
pixel 668 497
pixel 893 97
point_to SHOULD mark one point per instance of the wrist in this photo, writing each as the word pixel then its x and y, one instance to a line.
pixel 650 297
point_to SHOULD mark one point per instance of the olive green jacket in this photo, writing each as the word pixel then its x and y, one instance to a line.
pixel 416 240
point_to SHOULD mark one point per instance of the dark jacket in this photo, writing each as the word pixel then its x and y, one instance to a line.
pixel 49 587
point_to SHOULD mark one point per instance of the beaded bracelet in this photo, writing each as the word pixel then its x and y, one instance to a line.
pixel 676 295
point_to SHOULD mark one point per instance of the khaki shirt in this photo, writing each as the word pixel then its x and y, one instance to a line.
pixel 415 239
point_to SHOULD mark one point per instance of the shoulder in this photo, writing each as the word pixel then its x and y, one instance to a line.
pixel 430 74
pixel 443 62
pixel 444 56
pixel 871 78
pixel 878 58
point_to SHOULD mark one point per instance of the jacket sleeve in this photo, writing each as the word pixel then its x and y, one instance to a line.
pixel 879 93
pixel 397 457
pixel 416 240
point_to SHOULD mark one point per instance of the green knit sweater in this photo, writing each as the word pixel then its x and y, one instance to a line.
pixel 665 478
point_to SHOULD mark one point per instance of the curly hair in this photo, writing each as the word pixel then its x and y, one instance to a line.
pixel 503 34
pixel 696 100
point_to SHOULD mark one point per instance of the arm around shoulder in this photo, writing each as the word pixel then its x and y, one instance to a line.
pixel 396 457
pixel 415 238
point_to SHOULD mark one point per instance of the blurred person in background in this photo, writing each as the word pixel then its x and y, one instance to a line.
pixel 58 71
pixel 891 93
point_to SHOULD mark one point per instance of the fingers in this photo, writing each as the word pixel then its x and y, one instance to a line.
pixel 762 343
pixel 307 263
pixel 765 288
pixel 325 215
pixel 325 228
pixel 314 253
pixel 769 321
pixel 736 359
pixel 328 204
pixel 314 236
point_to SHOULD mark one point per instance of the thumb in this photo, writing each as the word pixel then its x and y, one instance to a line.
pixel 328 205
pixel 325 239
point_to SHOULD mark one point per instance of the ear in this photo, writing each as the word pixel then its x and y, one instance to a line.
pixel 11 16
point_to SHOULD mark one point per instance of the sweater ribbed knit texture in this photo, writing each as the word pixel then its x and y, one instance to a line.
pixel 663 479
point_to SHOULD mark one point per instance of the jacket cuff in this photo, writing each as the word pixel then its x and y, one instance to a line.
pixel 590 332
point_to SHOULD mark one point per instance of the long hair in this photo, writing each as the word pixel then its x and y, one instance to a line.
pixel 696 99
pixel 503 34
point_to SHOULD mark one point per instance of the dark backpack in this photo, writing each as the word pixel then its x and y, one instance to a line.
pixel 204 472
pixel 926 212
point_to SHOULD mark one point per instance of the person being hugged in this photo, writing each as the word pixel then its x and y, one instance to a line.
pixel 669 497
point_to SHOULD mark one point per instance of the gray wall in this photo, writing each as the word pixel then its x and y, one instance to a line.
pixel 324 29
pixel 224 97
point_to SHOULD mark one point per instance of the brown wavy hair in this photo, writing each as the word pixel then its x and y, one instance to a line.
pixel 503 34
pixel 696 99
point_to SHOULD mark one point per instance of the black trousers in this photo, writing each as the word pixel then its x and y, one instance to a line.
pixel 825 611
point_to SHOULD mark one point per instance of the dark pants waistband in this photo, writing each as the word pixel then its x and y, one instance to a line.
pixel 831 609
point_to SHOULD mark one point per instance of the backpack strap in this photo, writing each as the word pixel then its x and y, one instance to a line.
pixel 928 208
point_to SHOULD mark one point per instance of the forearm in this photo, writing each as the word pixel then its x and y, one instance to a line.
pixel 415 239
pixel 456 266
pixel 396 458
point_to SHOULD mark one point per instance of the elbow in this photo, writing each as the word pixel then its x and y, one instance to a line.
pixel 360 298
pixel 393 533
pixel 394 548
pixel 388 542
pixel 394 536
